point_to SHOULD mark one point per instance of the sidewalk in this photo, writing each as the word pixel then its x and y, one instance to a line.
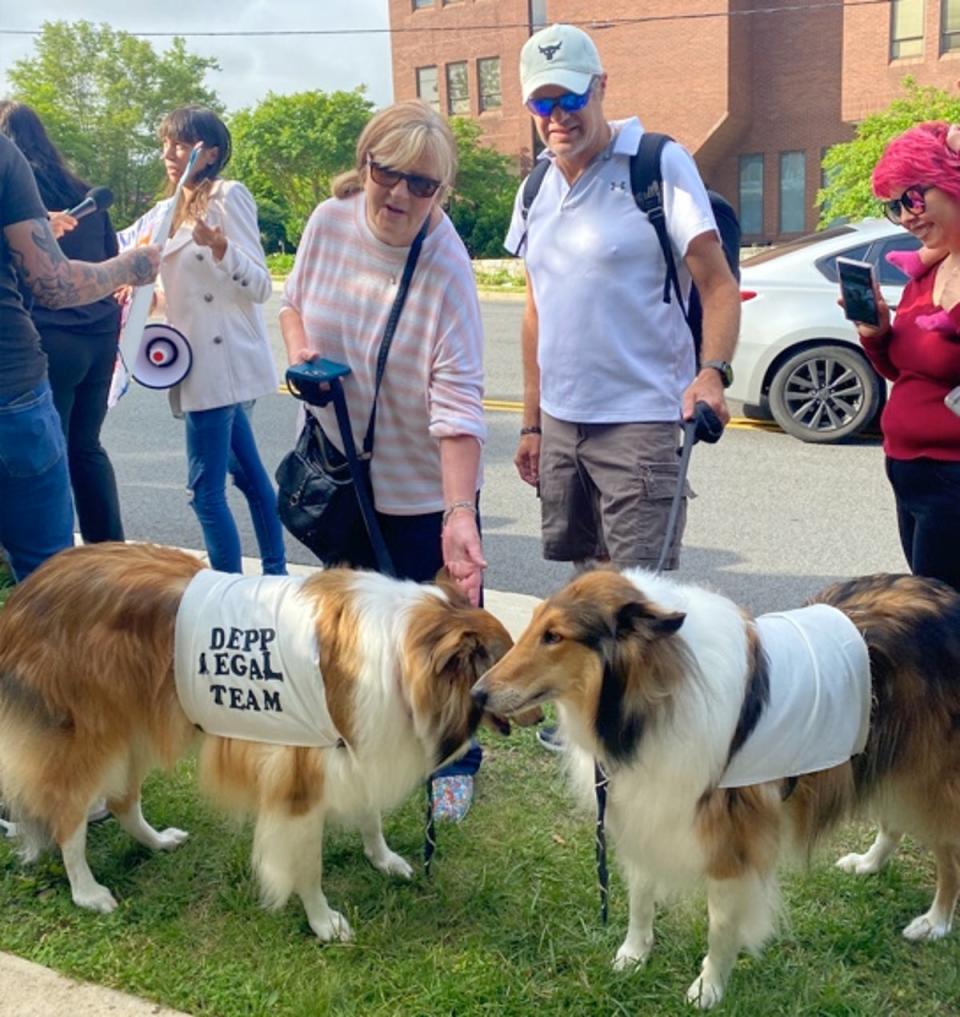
pixel 30 990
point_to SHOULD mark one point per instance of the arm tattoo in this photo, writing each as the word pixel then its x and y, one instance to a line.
pixel 57 282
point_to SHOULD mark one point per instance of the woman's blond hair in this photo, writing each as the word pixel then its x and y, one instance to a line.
pixel 403 136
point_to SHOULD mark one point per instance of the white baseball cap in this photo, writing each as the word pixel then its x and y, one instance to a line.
pixel 559 55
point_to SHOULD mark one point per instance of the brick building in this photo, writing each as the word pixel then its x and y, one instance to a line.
pixel 756 89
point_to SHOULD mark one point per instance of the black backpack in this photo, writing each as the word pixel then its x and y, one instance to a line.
pixel 646 182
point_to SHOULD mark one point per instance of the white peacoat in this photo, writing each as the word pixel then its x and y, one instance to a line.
pixel 216 305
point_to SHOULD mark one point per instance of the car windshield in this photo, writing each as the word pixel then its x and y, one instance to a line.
pixel 797 245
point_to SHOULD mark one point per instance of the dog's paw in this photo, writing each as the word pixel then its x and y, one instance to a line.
pixel 95 898
pixel 858 865
pixel 631 955
pixel 927 928
pixel 334 928
pixel 171 838
pixel 704 994
pixel 392 864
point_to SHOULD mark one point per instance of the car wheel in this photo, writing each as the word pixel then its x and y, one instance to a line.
pixel 824 393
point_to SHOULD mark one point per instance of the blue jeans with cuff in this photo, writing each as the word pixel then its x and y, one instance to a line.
pixel 215 438
pixel 36 507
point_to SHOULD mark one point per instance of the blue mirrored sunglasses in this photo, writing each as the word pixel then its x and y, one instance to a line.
pixel 569 102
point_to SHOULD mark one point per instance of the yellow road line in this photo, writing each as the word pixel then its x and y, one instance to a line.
pixel 511 406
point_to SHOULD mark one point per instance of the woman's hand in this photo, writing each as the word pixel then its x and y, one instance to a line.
pixel 882 326
pixel 61 222
pixel 212 237
pixel 463 552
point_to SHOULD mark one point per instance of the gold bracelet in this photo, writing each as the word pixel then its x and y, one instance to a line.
pixel 450 509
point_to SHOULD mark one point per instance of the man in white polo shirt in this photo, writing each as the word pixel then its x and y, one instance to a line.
pixel 609 368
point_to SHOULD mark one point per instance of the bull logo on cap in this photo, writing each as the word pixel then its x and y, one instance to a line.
pixel 550 51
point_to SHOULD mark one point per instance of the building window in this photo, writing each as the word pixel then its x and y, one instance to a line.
pixel 420 4
pixel 751 194
pixel 538 14
pixel 950 27
pixel 488 75
pixel 428 87
pixel 906 27
pixel 793 204
pixel 458 94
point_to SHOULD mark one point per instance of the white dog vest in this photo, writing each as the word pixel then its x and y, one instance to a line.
pixel 818 714
pixel 246 661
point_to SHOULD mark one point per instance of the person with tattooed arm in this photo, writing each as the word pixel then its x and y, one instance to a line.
pixel 36 506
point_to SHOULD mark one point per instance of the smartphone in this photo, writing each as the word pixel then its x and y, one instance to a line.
pixel 311 380
pixel 858 287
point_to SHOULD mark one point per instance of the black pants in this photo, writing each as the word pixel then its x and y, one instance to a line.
pixel 928 514
pixel 80 366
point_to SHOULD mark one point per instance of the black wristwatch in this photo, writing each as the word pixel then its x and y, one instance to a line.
pixel 723 368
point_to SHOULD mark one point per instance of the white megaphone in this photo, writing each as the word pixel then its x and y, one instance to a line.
pixel 164 357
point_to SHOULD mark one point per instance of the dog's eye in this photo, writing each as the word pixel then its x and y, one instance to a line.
pixel 550 637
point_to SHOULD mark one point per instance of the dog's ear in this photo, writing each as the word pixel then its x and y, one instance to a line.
pixel 451 588
pixel 638 618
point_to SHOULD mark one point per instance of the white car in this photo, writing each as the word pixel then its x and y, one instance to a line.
pixel 798 359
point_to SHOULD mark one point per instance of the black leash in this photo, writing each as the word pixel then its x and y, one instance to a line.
pixel 430 833
pixel 705 426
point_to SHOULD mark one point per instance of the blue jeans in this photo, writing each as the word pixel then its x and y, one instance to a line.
pixel 214 438
pixel 36 508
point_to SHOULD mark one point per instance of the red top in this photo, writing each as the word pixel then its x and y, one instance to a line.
pixel 923 366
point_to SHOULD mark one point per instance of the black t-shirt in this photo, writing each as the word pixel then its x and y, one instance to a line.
pixel 22 363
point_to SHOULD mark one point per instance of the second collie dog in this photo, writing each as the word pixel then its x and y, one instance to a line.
pixel 662 682
pixel 89 705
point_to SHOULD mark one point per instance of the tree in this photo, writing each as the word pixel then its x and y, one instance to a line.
pixel 101 95
pixel 848 166
pixel 289 147
pixel 482 201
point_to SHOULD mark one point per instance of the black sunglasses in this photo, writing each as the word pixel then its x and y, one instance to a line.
pixel 912 200
pixel 418 186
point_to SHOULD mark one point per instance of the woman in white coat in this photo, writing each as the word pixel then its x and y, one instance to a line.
pixel 214 278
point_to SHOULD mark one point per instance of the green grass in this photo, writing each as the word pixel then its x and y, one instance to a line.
pixel 507 925
pixel 499 279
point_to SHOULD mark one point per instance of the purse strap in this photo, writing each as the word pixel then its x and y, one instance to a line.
pixel 398 302
pixel 359 477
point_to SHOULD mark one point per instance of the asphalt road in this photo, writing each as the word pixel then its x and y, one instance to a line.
pixel 774 520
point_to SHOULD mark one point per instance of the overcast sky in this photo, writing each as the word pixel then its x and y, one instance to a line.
pixel 249 66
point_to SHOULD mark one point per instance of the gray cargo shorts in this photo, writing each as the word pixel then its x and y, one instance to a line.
pixel 605 491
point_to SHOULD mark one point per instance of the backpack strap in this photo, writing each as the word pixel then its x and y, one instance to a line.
pixel 646 181
pixel 531 188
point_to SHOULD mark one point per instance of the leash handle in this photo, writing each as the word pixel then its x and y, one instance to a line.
pixel 704 425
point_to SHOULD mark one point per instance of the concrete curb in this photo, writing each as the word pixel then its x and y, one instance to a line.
pixel 31 990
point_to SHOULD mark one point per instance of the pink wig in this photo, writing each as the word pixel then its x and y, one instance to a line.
pixel 919 156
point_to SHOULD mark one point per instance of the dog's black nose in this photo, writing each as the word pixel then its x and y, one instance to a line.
pixel 480 697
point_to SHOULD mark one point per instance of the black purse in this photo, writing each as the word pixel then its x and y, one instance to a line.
pixel 324 496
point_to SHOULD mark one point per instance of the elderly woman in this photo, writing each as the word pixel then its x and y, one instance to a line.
pixel 918 176
pixel 425 470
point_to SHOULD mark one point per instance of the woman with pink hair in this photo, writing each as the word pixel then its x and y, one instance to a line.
pixel 918 178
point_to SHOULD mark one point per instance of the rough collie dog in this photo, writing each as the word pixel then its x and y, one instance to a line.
pixel 89 705
pixel 662 683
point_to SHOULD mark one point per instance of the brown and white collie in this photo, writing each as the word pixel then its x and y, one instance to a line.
pixel 88 706
pixel 660 682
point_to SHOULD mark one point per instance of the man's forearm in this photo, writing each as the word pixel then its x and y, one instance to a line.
pixel 721 322
pixel 58 282
pixel 529 340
